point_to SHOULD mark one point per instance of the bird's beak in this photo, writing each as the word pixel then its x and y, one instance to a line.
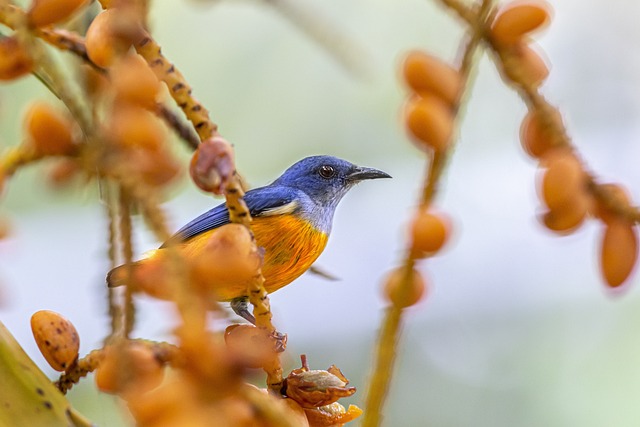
pixel 362 173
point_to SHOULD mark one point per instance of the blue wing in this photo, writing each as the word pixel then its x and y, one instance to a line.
pixel 259 200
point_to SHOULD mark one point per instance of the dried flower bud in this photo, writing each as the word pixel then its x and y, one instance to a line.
pixel 430 122
pixel 212 165
pixel 50 132
pixel 333 415
pixel 519 18
pixel 619 251
pixel 394 289
pixel 313 388
pixel 429 232
pixel 47 12
pixel 14 59
pixel 56 338
pixel 425 73
pixel 250 346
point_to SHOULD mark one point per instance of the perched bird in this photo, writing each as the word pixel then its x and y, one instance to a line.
pixel 292 220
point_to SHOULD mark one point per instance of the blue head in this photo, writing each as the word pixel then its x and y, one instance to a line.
pixel 325 180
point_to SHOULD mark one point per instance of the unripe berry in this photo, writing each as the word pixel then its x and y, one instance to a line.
pixel 394 287
pixel 56 338
pixel 519 18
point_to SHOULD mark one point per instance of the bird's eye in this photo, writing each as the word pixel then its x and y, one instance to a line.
pixel 327 171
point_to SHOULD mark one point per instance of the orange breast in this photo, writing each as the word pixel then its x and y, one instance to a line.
pixel 291 245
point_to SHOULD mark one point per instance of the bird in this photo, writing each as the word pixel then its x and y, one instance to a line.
pixel 292 221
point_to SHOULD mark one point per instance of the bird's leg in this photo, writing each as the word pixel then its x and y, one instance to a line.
pixel 240 306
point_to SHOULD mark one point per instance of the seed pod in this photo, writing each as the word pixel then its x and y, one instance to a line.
pixel 563 180
pixel 227 262
pixel 519 18
pixel 537 138
pixel 212 165
pixel 332 415
pixel 313 388
pixel 14 60
pixel 134 82
pixel 430 121
pixel 56 338
pixel 51 133
pixel 565 220
pixel 104 41
pixel 396 294
pixel 429 232
pixel 619 251
pixel 425 73
pixel 47 12
pixel 250 346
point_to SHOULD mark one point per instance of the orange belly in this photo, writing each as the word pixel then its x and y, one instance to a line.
pixel 291 245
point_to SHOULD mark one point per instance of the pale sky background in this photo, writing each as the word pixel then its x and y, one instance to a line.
pixel 517 329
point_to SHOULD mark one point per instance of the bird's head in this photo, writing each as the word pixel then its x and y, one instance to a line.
pixel 326 179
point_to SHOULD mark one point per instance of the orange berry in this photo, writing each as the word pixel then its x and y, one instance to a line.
pixel 56 338
pixel 618 196
pixel 156 168
pixel 296 414
pixel 429 232
pixel 250 346
pixel 536 136
pixel 47 12
pixel 104 41
pixel 212 165
pixel 563 180
pixel 134 82
pixel 569 217
pixel 519 18
pixel 430 121
pixel 394 289
pixel 51 133
pixel 228 261
pixel 134 127
pixel 135 370
pixel 63 172
pixel 619 251
pixel 14 60
pixel 5 227
pixel 426 73
pixel 524 65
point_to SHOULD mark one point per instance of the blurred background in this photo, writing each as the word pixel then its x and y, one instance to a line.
pixel 517 329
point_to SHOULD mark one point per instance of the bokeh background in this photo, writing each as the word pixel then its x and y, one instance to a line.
pixel 517 329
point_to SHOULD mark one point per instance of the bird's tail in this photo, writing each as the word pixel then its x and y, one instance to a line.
pixel 118 276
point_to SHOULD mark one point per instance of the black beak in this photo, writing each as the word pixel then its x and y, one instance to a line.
pixel 362 173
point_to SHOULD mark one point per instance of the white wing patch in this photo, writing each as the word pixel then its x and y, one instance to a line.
pixel 280 210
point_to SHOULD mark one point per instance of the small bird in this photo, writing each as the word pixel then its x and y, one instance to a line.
pixel 292 220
